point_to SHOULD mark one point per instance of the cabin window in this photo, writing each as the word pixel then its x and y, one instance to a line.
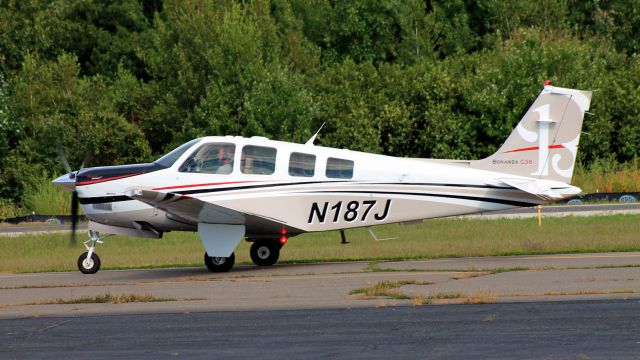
pixel 216 158
pixel 259 160
pixel 302 164
pixel 339 168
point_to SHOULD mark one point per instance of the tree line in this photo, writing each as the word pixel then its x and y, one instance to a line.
pixel 132 79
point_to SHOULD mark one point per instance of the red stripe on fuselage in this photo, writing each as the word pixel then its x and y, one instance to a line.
pixel 557 146
pixel 90 182
pixel 198 185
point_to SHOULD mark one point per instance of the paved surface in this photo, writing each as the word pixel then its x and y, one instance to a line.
pixel 545 330
pixel 563 210
pixel 584 306
pixel 40 228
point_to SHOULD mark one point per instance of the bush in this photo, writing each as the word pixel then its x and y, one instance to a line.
pixel 44 198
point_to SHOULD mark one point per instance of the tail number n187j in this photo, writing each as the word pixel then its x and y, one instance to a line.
pixel 348 211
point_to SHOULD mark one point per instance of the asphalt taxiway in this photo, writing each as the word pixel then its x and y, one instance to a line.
pixel 540 330
pixel 547 306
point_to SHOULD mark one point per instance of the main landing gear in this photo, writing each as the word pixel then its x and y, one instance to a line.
pixel 219 264
pixel 265 252
pixel 89 262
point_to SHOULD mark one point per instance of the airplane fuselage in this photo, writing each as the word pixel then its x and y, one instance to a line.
pixel 371 190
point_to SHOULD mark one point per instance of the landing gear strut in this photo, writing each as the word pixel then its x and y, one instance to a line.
pixel 219 264
pixel 265 252
pixel 89 262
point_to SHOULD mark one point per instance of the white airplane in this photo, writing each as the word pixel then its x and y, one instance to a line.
pixel 229 188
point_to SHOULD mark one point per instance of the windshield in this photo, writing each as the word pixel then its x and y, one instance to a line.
pixel 170 158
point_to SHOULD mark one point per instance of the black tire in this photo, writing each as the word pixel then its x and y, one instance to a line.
pixel 219 264
pixel 91 266
pixel 265 253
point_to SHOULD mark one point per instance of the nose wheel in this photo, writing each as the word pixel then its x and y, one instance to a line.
pixel 89 262
pixel 265 252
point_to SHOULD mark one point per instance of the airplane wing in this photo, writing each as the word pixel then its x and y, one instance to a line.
pixel 532 186
pixel 188 208
pixel 200 212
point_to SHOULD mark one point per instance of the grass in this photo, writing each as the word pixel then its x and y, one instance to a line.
pixel 434 238
pixel 419 300
pixel 445 295
pixel 467 275
pixel 504 270
pixel 388 289
pixel 480 298
pixel 106 299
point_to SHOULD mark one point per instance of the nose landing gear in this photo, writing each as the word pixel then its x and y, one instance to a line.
pixel 89 262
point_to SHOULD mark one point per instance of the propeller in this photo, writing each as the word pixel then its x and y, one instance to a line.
pixel 74 218
pixel 74 195
pixel 88 157
pixel 63 159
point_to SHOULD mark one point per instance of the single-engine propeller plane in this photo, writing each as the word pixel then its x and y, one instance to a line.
pixel 229 188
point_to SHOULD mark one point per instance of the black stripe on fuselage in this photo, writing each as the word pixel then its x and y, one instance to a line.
pixel 105 199
pixel 463 197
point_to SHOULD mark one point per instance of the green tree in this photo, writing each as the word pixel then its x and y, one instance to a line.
pixel 58 107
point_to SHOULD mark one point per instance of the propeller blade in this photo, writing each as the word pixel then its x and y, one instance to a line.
pixel 88 157
pixel 74 217
pixel 63 159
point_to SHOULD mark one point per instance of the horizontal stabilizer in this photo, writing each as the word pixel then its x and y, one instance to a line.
pixel 532 186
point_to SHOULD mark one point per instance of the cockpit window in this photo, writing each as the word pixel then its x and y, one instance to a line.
pixel 216 158
pixel 339 168
pixel 170 158
pixel 258 160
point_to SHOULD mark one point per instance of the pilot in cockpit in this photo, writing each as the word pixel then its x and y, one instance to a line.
pixel 225 160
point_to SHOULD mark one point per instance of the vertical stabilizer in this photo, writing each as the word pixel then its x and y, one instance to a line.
pixel 545 142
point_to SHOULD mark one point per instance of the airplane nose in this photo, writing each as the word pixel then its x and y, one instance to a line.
pixel 67 181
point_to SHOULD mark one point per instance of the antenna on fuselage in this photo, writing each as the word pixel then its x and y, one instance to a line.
pixel 313 138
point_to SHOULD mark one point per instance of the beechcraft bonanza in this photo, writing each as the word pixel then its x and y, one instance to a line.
pixel 230 188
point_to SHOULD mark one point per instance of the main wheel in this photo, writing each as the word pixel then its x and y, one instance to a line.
pixel 219 264
pixel 265 253
pixel 89 266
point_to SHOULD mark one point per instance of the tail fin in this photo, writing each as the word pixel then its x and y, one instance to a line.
pixel 545 142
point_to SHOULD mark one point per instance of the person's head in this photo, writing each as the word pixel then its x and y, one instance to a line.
pixel 223 155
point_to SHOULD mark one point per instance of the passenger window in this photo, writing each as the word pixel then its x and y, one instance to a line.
pixel 302 164
pixel 258 160
pixel 339 168
pixel 210 159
